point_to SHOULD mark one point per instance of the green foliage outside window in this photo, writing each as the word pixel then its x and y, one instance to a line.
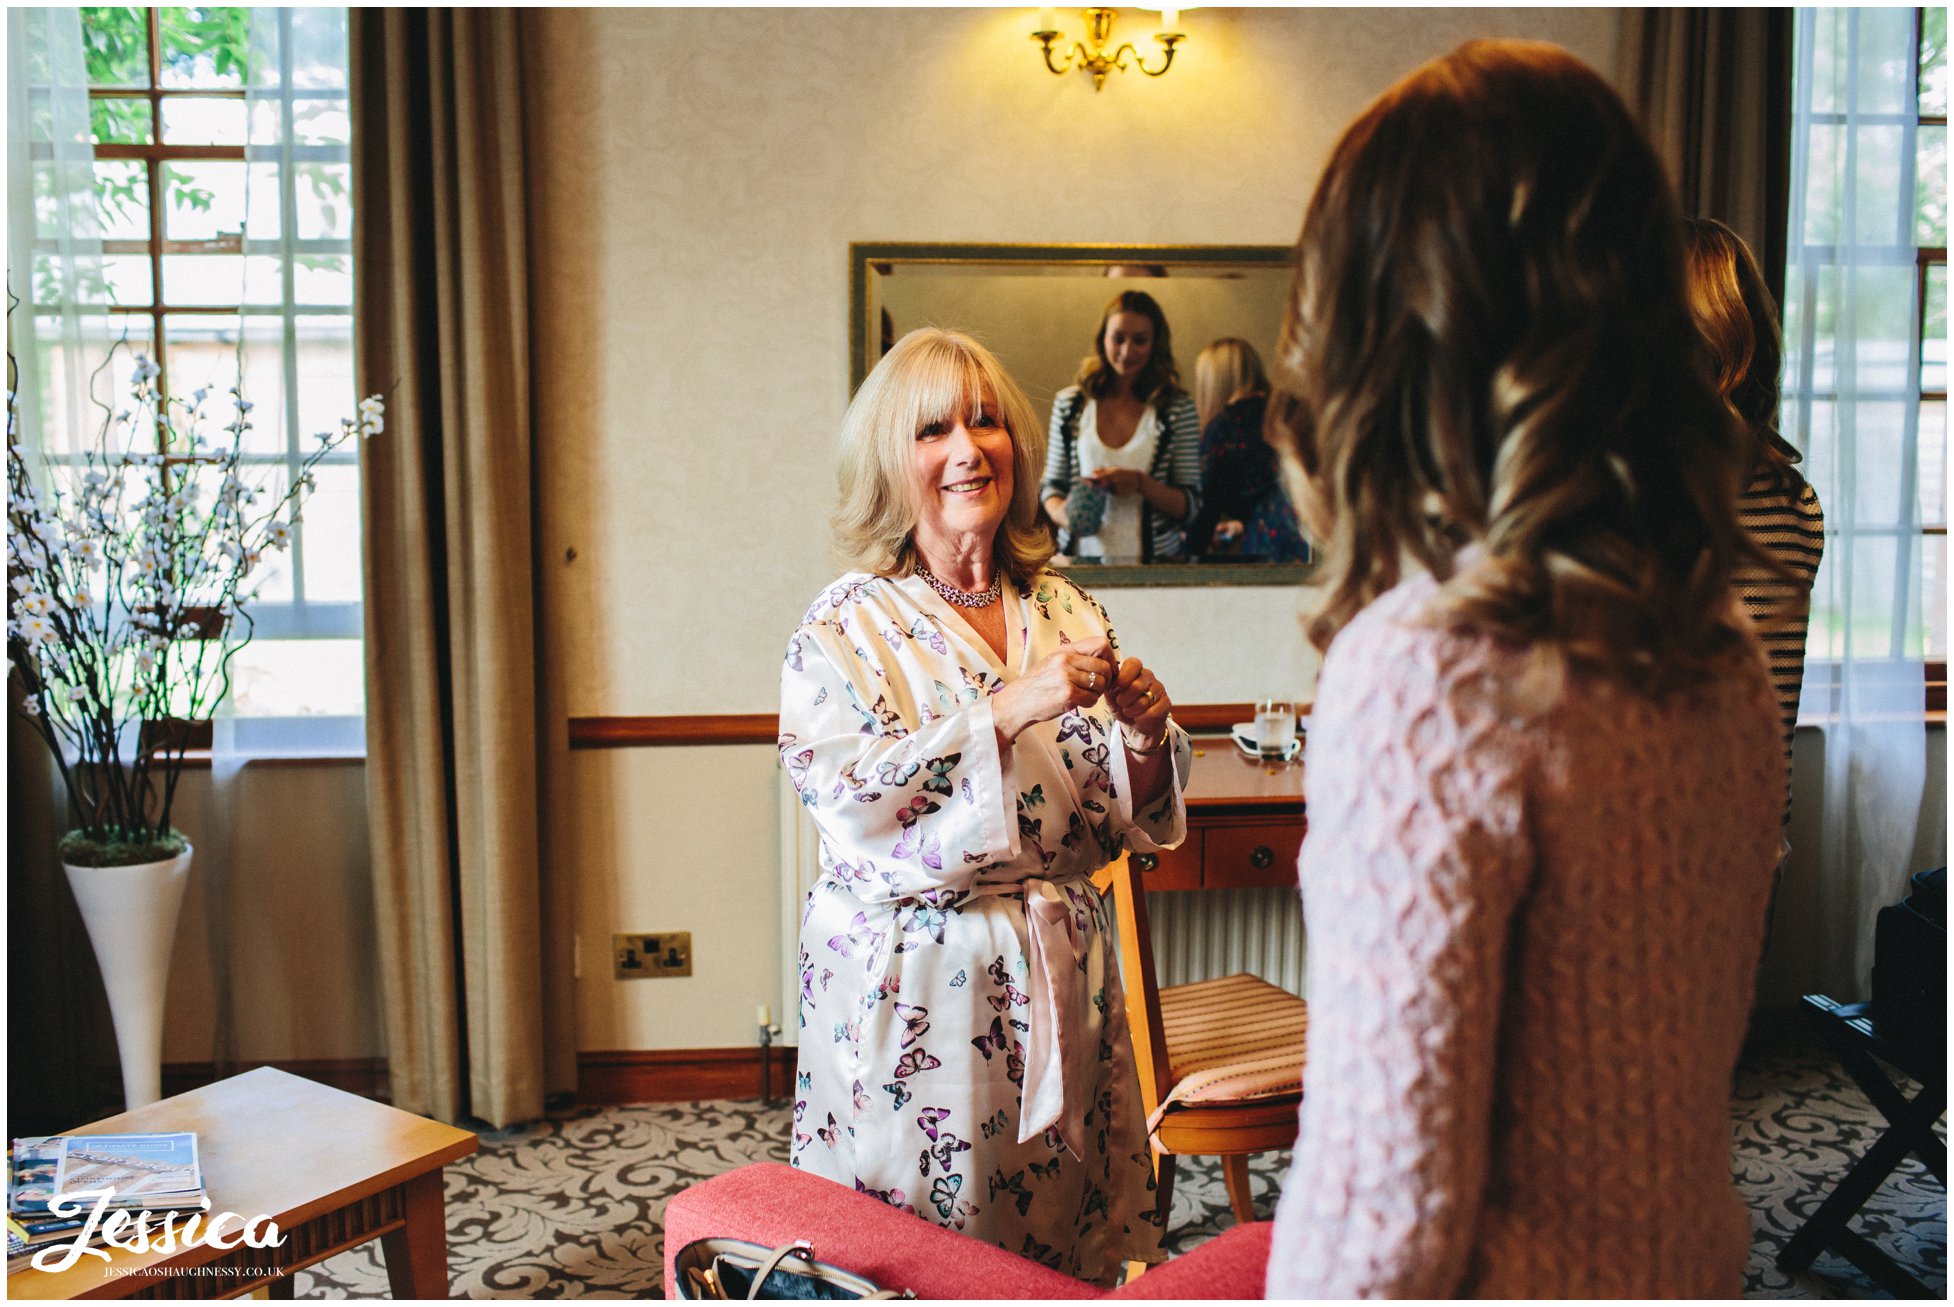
pixel 199 49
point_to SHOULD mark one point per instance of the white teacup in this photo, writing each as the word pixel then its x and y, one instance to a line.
pixel 1275 727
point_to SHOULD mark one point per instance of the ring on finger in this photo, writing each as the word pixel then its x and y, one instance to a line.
pixel 1092 680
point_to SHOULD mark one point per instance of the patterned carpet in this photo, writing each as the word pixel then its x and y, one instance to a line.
pixel 572 1207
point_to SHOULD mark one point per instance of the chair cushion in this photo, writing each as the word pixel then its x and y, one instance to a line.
pixel 1237 1039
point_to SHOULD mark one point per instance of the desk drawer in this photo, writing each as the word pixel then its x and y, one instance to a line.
pixel 1175 869
pixel 1252 857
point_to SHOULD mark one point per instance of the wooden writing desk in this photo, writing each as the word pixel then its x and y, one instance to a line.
pixel 332 1169
pixel 1245 824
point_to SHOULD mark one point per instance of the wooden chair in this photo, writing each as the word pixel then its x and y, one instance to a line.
pixel 1220 1061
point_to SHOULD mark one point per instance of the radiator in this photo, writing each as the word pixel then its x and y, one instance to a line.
pixel 1196 935
pixel 1201 934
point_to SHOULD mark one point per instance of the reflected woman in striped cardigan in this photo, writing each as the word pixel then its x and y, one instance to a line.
pixel 1738 321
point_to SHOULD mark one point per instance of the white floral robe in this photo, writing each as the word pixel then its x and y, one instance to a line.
pixel 963 1045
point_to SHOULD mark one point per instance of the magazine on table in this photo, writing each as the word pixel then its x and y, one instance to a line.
pixel 150 1171
pixel 30 1177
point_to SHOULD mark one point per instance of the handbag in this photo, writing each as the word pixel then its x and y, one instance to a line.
pixel 731 1270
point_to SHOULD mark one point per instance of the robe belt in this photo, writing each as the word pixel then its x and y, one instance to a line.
pixel 1059 1068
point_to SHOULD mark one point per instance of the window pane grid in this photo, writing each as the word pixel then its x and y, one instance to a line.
pixel 194 222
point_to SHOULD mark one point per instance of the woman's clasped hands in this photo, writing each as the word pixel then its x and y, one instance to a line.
pixel 1079 675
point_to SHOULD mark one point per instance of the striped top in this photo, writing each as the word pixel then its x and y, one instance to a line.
pixel 1176 461
pixel 1793 530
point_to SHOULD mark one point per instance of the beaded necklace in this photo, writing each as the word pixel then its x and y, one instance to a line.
pixel 962 598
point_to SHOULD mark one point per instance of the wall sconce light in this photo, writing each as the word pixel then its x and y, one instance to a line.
pixel 1096 58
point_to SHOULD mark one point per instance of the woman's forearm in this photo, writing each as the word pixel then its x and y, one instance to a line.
pixel 1148 773
pixel 1171 500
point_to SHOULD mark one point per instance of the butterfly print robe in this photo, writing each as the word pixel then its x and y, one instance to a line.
pixel 963 1044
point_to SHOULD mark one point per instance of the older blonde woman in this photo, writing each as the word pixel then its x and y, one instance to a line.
pixel 959 722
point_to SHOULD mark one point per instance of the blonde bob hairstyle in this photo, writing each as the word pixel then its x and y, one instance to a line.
pixel 1227 370
pixel 931 376
pixel 1489 344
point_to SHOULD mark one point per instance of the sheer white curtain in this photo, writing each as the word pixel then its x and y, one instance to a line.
pixel 59 330
pixel 1850 401
pixel 297 77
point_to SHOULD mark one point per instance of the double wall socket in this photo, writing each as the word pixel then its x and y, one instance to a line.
pixel 644 957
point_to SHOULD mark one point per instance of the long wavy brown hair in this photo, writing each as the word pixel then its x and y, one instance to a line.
pixel 1159 380
pixel 1488 344
pixel 1738 322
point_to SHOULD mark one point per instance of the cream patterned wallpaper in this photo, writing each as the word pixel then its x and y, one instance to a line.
pixel 700 174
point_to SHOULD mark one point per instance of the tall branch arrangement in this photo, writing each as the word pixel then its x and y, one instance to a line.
pixel 129 585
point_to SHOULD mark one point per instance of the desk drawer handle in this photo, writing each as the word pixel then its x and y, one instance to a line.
pixel 1262 856
pixel 1146 861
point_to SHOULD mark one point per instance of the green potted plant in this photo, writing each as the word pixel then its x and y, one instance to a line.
pixel 130 573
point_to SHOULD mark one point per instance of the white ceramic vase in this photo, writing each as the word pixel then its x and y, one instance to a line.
pixel 131 915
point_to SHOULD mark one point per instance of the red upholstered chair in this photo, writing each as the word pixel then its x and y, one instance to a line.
pixel 771 1204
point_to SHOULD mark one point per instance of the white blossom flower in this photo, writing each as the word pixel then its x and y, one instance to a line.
pixel 83 599
pixel 197 395
pixel 32 703
pixel 88 552
pixel 373 415
pixel 145 371
pixel 77 693
pixel 35 628
pixel 22 583
pixel 278 535
pixel 35 602
pixel 145 663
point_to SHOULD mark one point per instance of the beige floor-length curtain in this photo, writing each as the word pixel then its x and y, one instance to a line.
pixel 473 938
pixel 1712 88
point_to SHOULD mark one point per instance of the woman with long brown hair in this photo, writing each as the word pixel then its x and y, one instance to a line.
pixel 1543 790
pixel 1738 321
pixel 1123 459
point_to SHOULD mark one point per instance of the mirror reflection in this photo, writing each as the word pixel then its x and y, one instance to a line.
pixel 1149 361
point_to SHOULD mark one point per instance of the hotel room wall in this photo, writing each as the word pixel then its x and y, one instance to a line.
pixel 697 176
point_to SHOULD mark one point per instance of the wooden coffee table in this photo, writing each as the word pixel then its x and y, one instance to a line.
pixel 332 1169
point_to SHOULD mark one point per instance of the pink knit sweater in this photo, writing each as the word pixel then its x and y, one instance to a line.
pixel 1531 954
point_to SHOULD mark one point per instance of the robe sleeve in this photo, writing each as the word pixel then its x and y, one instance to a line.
pixel 902 813
pixel 1161 824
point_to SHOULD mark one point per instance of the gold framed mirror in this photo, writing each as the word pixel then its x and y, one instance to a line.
pixel 1037 307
